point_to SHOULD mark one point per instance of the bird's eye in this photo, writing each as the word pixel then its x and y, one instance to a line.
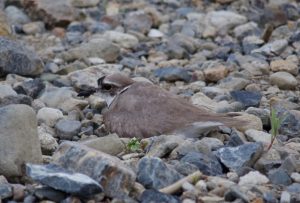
pixel 106 87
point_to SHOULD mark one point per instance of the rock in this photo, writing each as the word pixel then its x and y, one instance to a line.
pixel 212 143
pixel 250 122
pixel 18 192
pixel 110 144
pixel 172 74
pixel 58 13
pixel 18 99
pixel 293 188
pixel 247 29
pixel 154 173
pixel 34 27
pixel 295 177
pixel 263 114
pixel 284 80
pixel 6 191
pixel 156 196
pixel 49 116
pixel 154 33
pixel 234 193
pixel 237 157
pixel 272 48
pixel 18 59
pixel 63 180
pixel 87 78
pixel 48 142
pixel 247 98
pixel 224 20
pixel 201 100
pixel 253 178
pixel 16 16
pixel 6 91
pixel 279 177
pixel 268 161
pixel 5 29
pixel 62 98
pixel 124 40
pixel 207 164
pixel 97 165
pixel 19 139
pixel 85 3
pixel 251 43
pixel 258 136
pixel 285 66
pixel 50 194
pixel 31 88
pixel 138 21
pixel 67 129
pixel 233 83
pixel 98 47
pixel 216 73
pixel 285 197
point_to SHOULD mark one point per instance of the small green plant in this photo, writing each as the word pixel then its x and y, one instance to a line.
pixel 134 145
pixel 275 125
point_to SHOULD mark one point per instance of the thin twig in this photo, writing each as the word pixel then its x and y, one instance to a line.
pixel 171 189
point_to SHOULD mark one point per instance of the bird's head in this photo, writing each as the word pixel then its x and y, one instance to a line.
pixel 111 85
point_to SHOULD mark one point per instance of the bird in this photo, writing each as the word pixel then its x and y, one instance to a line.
pixel 142 109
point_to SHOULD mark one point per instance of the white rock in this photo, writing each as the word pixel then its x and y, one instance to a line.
pixel 154 33
pixel 285 197
pixel 295 177
pixel 253 178
pixel 258 136
pixel 49 116
pixel 6 90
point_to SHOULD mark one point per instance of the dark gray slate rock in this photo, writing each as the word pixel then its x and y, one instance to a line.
pixel 247 98
pixel 236 157
pixel 50 194
pixel 16 58
pixel 172 74
pixel 67 129
pixel 116 178
pixel 61 179
pixel 207 164
pixel 6 191
pixel 150 196
pixel 279 177
pixel 154 173
pixel 31 88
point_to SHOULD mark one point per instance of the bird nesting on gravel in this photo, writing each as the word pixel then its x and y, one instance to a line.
pixel 142 109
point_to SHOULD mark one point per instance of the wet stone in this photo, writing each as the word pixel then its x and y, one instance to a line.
pixel 237 157
pixel 63 180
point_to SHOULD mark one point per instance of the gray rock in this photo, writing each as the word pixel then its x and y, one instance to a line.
pixel 16 16
pixel 110 144
pixel 279 177
pixel 154 173
pixel 233 83
pixel 63 180
pixel 293 188
pixel 138 21
pixel 49 116
pixel 263 114
pixel 50 194
pixel 18 99
pixel 234 193
pixel 48 142
pixel 124 40
pixel 97 165
pixel 258 136
pixel 6 91
pixel 284 80
pixel 31 88
pixel 18 139
pixel 285 197
pixel 67 129
pixel 6 191
pixel 172 74
pixel 253 178
pixel 237 157
pixel 85 3
pixel 247 98
pixel 16 58
pixel 102 48
pixel 156 196
pixel 207 164
pixel 62 98
pixel 272 48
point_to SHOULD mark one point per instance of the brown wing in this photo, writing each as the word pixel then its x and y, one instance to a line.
pixel 145 110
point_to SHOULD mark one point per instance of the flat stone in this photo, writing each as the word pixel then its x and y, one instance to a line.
pixel 284 65
pixel 247 98
pixel 17 58
pixel 279 177
pixel 63 180
pixel 97 165
pixel 172 74
pixel 156 196
pixel 110 144
pixel 154 173
pixel 237 157
pixel 49 116
pixel 19 140
pixel 253 178
pixel 284 80
pixel 67 129
pixel 208 165
pixel 272 48
pixel 233 83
